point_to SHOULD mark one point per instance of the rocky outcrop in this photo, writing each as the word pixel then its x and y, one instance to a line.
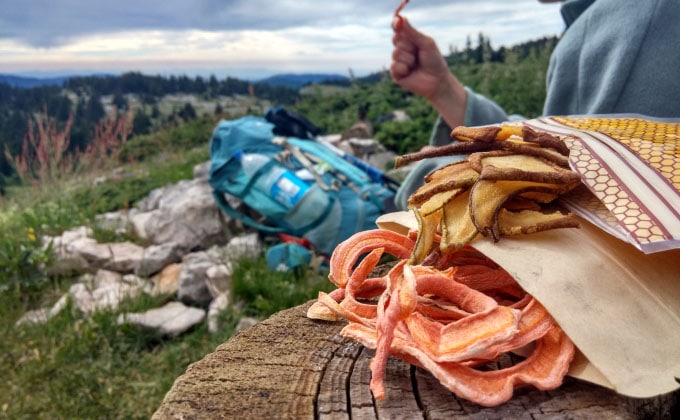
pixel 191 248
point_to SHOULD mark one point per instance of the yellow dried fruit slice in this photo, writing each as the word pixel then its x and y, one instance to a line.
pixel 530 221
pixel 488 196
pixel 457 227
pixel 526 168
pixel 452 176
pixel 428 226
pixel 543 152
pixel 438 200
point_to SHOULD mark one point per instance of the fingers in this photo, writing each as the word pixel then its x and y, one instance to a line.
pixel 403 62
pixel 399 70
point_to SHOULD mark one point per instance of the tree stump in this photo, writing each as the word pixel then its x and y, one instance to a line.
pixel 289 366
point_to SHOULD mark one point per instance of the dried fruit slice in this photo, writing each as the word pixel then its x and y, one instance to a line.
pixel 428 227
pixel 496 166
pixel 457 227
pixel 508 131
pixel 457 148
pixel 525 148
pixel 531 221
pixel 438 201
pixel 488 196
pixel 539 196
pixel 484 134
pixel 544 139
pixel 454 175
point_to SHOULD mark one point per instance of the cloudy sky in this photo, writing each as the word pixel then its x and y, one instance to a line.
pixel 244 38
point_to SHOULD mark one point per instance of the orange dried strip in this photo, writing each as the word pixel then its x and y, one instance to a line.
pixel 479 326
pixel 348 252
pixel 400 7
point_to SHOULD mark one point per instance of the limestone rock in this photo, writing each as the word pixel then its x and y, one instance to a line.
pixel 170 320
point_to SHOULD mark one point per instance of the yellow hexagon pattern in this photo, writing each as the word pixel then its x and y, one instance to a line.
pixel 655 143
pixel 631 166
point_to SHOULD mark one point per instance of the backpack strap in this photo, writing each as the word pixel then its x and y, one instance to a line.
pixel 223 204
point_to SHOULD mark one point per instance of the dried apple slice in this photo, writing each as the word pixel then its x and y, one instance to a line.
pixel 488 196
pixel 457 227
pixel 539 196
pixel 484 134
pixel 521 147
pixel 505 165
pixel 544 139
pixel 438 201
pixel 530 221
pixel 428 226
pixel 454 175
pixel 456 148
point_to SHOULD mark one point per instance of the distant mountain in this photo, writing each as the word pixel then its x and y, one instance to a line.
pixel 296 81
pixel 30 82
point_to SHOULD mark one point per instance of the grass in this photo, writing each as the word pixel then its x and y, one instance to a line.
pixel 77 367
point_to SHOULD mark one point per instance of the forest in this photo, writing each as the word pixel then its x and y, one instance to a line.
pixel 512 76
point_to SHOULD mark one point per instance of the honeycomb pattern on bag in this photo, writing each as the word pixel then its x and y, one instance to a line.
pixel 656 143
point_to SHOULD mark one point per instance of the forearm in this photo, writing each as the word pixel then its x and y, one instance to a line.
pixel 450 101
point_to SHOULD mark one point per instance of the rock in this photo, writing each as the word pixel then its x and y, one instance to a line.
pixel 245 323
pixel 193 288
pixel 218 279
pixel 66 260
pixel 360 130
pixel 365 146
pixel 187 215
pixel 167 281
pixel 151 201
pixel 125 257
pixel 155 257
pixel 94 253
pixel 138 222
pixel 202 170
pixel 104 278
pixel 217 306
pixel 170 320
pixel 107 291
pixel 245 246
pixel 382 160
pixel 35 316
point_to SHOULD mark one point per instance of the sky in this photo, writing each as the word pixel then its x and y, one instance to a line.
pixel 247 39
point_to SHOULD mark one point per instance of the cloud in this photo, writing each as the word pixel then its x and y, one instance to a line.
pixel 290 34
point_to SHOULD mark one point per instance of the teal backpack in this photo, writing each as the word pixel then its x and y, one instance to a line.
pixel 298 188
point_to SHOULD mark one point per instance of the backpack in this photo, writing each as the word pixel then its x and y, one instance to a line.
pixel 291 124
pixel 300 188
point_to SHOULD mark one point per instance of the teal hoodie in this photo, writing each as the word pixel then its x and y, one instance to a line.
pixel 615 56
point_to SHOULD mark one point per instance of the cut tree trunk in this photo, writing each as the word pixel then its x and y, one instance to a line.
pixel 289 366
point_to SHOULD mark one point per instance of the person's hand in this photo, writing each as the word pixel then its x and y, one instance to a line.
pixel 419 67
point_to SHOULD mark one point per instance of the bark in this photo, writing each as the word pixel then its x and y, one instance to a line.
pixel 289 366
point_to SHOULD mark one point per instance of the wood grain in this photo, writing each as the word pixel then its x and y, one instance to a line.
pixel 291 367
